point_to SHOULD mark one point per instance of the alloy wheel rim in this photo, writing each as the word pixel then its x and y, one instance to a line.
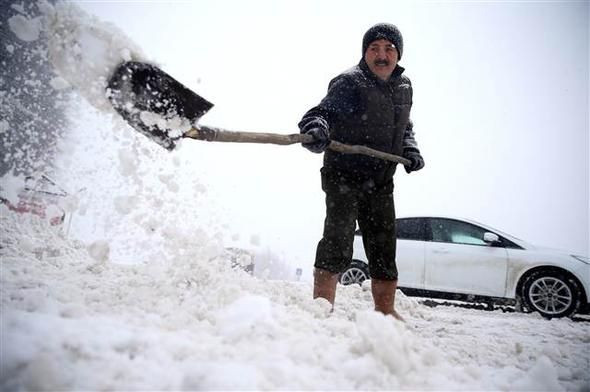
pixel 550 295
pixel 353 275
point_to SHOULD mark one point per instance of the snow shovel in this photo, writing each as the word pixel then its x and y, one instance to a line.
pixel 157 105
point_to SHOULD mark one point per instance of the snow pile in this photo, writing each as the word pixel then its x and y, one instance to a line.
pixel 30 237
pixel 73 322
pixel 542 377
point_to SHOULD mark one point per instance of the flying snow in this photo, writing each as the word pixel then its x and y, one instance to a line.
pixel 24 28
pixel 85 51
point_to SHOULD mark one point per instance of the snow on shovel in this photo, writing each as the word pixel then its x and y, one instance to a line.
pixel 157 105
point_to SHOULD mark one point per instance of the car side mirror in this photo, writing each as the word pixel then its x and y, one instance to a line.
pixel 491 238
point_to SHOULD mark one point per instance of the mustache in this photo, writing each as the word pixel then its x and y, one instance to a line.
pixel 381 62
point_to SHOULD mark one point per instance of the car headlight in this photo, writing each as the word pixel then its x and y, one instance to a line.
pixel 583 259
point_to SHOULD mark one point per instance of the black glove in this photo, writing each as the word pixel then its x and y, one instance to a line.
pixel 417 162
pixel 321 140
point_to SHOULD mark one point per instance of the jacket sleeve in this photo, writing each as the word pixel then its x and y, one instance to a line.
pixel 340 100
pixel 409 142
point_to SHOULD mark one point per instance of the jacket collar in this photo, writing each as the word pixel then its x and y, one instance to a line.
pixel 397 71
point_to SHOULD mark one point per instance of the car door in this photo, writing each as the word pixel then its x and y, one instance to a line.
pixel 457 260
pixel 411 237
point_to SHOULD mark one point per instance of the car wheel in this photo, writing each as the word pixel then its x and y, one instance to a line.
pixel 357 272
pixel 551 293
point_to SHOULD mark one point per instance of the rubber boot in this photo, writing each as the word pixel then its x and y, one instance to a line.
pixel 384 297
pixel 324 284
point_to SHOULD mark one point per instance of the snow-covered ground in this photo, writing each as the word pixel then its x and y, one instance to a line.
pixel 72 322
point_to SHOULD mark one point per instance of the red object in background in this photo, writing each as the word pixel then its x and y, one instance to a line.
pixel 32 207
pixel 37 199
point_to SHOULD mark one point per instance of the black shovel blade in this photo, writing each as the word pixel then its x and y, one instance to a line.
pixel 149 99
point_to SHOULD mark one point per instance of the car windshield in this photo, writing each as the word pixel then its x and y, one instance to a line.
pixel 503 234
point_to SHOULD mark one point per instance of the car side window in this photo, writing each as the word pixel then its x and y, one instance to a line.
pixel 410 229
pixel 456 232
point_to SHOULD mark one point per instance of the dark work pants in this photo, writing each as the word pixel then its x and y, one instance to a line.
pixel 373 208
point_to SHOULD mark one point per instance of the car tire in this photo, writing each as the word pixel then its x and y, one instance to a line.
pixel 357 272
pixel 553 294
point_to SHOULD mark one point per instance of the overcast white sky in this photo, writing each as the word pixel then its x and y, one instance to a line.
pixel 500 106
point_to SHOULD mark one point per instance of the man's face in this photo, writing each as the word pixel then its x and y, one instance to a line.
pixel 381 57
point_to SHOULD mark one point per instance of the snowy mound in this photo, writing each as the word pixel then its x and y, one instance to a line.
pixel 72 322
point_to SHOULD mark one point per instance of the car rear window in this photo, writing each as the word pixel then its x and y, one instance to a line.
pixel 410 229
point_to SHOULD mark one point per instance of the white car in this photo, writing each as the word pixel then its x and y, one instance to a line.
pixel 460 259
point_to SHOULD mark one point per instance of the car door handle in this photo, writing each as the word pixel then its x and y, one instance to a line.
pixel 440 250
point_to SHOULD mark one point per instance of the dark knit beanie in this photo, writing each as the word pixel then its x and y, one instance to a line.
pixel 386 31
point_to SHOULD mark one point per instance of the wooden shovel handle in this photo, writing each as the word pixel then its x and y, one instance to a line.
pixel 214 134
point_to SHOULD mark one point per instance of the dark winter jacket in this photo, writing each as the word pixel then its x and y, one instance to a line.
pixel 362 109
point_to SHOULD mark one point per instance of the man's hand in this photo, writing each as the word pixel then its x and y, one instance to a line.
pixel 321 140
pixel 417 162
